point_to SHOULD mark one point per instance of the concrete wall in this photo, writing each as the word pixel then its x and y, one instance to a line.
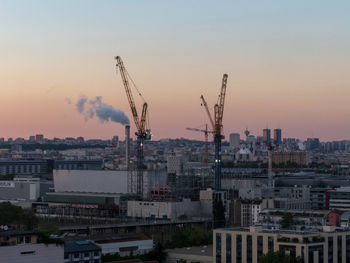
pixel 32 253
pixel 90 181
pixel 14 190
pixel 169 210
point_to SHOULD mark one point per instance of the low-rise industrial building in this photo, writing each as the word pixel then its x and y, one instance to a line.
pixel 81 252
pixel 125 245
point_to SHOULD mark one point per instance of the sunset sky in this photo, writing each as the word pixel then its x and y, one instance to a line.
pixel 287 61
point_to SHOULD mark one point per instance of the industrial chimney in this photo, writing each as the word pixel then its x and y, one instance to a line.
pixel 127 146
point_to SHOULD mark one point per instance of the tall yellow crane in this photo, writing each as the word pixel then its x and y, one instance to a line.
pixel 142 132
pixel 217 128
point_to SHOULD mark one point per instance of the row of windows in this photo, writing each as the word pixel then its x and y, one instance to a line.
pixel 82 255
pixel 23 168
pixel 290 249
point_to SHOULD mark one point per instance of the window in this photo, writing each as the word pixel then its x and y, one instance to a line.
pixel 319 249
pixel 270 244
pixel 239 249
pixel 96 254
pixel 76 255
pixel 340 250
pixel 347 248
pixel 260 246
pixel 27 239
pixel 228 248
pixel 27 252
pixel 86 254
pixel 218 248
pixel 330 249
pixel 249 249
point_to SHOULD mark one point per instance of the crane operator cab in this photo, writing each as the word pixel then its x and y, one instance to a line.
pixel 148 134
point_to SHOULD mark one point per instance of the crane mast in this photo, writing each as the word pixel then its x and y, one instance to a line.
pixel 217 128
pixel 142 133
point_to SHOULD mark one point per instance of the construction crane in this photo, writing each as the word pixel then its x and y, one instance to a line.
pixel 217 128
pixel 142 133
pixel 206 132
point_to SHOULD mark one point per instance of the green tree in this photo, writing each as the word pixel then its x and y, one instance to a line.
pixel 10 214
pixel 274 257
pixel 190 237
pixel 49 229
pixel 159 254
pixel 29 220
pixel 287 220
pixel 15 216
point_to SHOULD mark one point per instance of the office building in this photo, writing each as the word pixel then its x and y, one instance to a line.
pixel 39 138
pixel 23 167
pixel 248 244
pixel 115 141
pixel 266 135
pixel 290 157
pixel 339 198
pixel 312 144
pixel 277 136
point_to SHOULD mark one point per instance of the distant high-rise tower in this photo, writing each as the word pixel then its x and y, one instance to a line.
pixel 234 140
pixel 246 132
pixel 277 136
pixel 267 135
pixel 39 138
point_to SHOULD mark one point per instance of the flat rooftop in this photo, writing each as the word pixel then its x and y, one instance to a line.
pixel 200 251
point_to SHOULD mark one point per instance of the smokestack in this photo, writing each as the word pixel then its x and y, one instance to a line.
pixel 127 146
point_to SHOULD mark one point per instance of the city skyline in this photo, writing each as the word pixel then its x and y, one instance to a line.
pixel 286 65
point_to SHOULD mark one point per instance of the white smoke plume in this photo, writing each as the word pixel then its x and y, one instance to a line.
pixel 104 112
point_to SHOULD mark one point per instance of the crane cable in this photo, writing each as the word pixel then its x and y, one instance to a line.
pixel 143 99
